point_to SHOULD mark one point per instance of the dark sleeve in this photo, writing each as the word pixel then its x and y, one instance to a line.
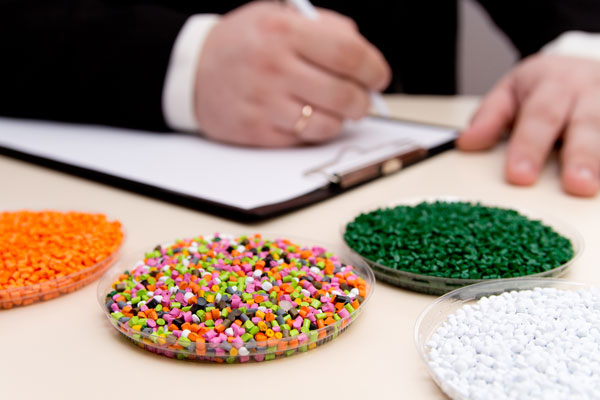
pixel 530 24
pixel 89 61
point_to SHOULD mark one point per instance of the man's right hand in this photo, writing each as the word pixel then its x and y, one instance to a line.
pixel 263 62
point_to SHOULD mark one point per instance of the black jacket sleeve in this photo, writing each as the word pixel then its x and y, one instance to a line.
pixel 87 61
pixel 530 24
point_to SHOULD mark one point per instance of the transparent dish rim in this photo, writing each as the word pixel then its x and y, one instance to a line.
pixel 94 271
pixel 558 225
pixel 471 293
pixel 357 263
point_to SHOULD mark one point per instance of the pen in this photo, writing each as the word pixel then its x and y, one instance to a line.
pixel 305 8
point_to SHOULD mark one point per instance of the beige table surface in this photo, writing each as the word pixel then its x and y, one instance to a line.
pixel 65 349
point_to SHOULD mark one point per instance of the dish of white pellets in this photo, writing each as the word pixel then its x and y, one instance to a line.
pixel 514 339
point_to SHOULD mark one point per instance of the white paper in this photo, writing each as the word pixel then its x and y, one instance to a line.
pixel 241 177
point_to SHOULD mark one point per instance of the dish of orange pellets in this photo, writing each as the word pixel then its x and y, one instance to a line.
pixel 48 253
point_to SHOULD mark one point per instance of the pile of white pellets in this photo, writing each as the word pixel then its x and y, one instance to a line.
pixel 541 343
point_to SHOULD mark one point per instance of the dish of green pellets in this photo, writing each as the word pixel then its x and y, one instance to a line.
pixel 437 246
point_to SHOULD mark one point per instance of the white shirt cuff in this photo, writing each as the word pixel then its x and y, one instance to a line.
pixel 178 89
pixel 575 44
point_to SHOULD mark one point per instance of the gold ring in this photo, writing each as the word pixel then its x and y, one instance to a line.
pixel 301 123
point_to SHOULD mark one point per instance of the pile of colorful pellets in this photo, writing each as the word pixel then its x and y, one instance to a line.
pixel 221 298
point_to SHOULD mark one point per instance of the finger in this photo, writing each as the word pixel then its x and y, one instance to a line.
pixel 337 96
pixel 318 127
pixel 581 151
pixel 342 51
pixel 495 114
pixel 253 127
pixel 540 122
pixel 332 17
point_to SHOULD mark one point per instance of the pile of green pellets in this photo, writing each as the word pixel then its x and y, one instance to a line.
pixel 458 240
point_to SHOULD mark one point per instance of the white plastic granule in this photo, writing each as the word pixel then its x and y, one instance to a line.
pixel 541 343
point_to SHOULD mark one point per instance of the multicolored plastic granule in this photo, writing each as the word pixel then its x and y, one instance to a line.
pixel 221 298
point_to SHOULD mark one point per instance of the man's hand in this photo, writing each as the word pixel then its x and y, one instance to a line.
pixel 263 62
pixel 542 99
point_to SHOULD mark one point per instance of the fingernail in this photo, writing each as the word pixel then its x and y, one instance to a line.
pixel 585 173
pixel 524 166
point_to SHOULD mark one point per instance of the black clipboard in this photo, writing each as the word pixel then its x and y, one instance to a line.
pixel 340 173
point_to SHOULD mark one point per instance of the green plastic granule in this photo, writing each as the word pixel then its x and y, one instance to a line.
pixel 458 240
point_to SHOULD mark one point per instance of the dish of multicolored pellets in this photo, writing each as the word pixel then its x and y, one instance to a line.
pixel 235 299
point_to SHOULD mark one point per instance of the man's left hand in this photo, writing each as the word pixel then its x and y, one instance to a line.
pixel 544 98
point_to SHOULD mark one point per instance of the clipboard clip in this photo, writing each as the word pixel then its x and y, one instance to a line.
pixel 354 165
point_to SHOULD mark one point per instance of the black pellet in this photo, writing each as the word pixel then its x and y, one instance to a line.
pixel 244 318
pixel 178 322
pixel 342 299
pixel 280 320
pixel 251 312
pixel 120 287
pixel 152 303
pixel 293 313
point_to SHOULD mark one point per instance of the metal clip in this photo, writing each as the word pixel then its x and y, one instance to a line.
pixel 354 165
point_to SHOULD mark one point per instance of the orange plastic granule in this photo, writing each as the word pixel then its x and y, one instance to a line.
pixel 44 252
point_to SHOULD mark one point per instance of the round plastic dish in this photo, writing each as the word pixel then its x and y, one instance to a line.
pixel 24 296
pixel 437 312
pixel 274 348
pixel 439 285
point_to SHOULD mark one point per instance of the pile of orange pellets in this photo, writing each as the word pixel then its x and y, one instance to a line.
pixel 48 253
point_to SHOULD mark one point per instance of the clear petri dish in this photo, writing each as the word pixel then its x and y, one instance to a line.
pixel 437 313
pixel 439 285
pixel 50 289
pixel 221 353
